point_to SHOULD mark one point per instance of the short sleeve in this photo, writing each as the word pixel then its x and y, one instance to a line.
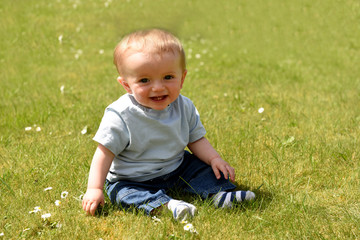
pixel 112 132
pixel 196 129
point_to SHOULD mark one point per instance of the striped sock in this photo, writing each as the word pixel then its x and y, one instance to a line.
pixel 181 210
pixel 226 199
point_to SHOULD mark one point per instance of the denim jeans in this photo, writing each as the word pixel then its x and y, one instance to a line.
pixel 192 176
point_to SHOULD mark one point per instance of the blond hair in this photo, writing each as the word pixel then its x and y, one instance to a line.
pixel 151 41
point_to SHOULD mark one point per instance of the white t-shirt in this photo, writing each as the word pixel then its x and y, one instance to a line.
pixel 147 143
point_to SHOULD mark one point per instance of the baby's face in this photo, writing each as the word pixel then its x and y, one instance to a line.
pixel 154 80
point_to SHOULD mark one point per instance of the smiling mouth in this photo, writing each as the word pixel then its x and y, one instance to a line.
pixel 159 98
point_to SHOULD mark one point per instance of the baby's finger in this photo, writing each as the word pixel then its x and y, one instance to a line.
pixel 231 172
pixel 84 205
pixel 88 208
pixel 225 172
pixel 93 207
pixel 216 172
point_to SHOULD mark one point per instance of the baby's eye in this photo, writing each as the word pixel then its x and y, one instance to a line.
pixel 168 77
pixel 144 80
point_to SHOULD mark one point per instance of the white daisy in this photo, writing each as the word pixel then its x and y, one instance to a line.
pixel 78 53
pixel 60 38
pixel 64 194
pixel 289 140
pixel 84 130
pixel 155 219
pixel 62 89
pixel 80 198
pixel 189 227
pixel 28 128
pixel 46 216
pixel 48 189
pixel 57 202
pixel 36 209
pixel 261 110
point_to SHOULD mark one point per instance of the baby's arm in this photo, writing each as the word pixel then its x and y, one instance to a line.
pixel 206 153
pixel 99 168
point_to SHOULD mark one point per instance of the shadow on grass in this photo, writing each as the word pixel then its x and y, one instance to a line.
pixel 109 208
pixel 262 200
pixel 104 211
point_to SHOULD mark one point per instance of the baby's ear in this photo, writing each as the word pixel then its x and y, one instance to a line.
pixel 183 77
pixel 124 83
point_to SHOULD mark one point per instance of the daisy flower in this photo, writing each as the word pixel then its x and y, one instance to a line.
pixel 189 227
pixel 261 110
pixel 78 53
pixel 84 130
pixel 64 194
pixel 62 89
pixel 155 219
pixel 46 216
pixel 289 140
pixel 60 38
pixel 57 202
pixel 80 198
pixel 48 189
pixel 36 209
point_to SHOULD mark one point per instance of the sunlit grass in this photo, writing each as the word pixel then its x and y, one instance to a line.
pixel 296 60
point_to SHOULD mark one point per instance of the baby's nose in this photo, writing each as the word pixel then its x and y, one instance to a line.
pixel 157 86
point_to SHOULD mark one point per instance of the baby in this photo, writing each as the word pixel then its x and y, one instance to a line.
pixel 142 136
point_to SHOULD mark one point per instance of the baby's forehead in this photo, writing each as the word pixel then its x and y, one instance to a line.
pixel 149 52
pixel 151 48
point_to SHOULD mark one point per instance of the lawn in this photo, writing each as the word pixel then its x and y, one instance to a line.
pixel 277 84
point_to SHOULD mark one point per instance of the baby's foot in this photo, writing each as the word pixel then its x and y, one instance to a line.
pixel 181 210
pixel 226 199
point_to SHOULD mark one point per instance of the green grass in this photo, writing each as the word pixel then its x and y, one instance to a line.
pixel 299 60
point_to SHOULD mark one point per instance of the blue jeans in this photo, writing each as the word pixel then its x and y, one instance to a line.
pixel 192 176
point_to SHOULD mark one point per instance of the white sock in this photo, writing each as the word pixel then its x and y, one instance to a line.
pixel 181 210
pixel 226 199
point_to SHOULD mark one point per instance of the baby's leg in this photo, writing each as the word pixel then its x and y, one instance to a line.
pixel 127 194
pixel 226 199
pixel 139 195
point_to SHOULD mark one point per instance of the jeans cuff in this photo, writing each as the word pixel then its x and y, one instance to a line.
pixel 148 207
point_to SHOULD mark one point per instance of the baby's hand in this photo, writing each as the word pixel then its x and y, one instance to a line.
pixel 218 165
pixel 92 198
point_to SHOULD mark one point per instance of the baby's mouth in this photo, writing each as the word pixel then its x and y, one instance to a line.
pixel 158 98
